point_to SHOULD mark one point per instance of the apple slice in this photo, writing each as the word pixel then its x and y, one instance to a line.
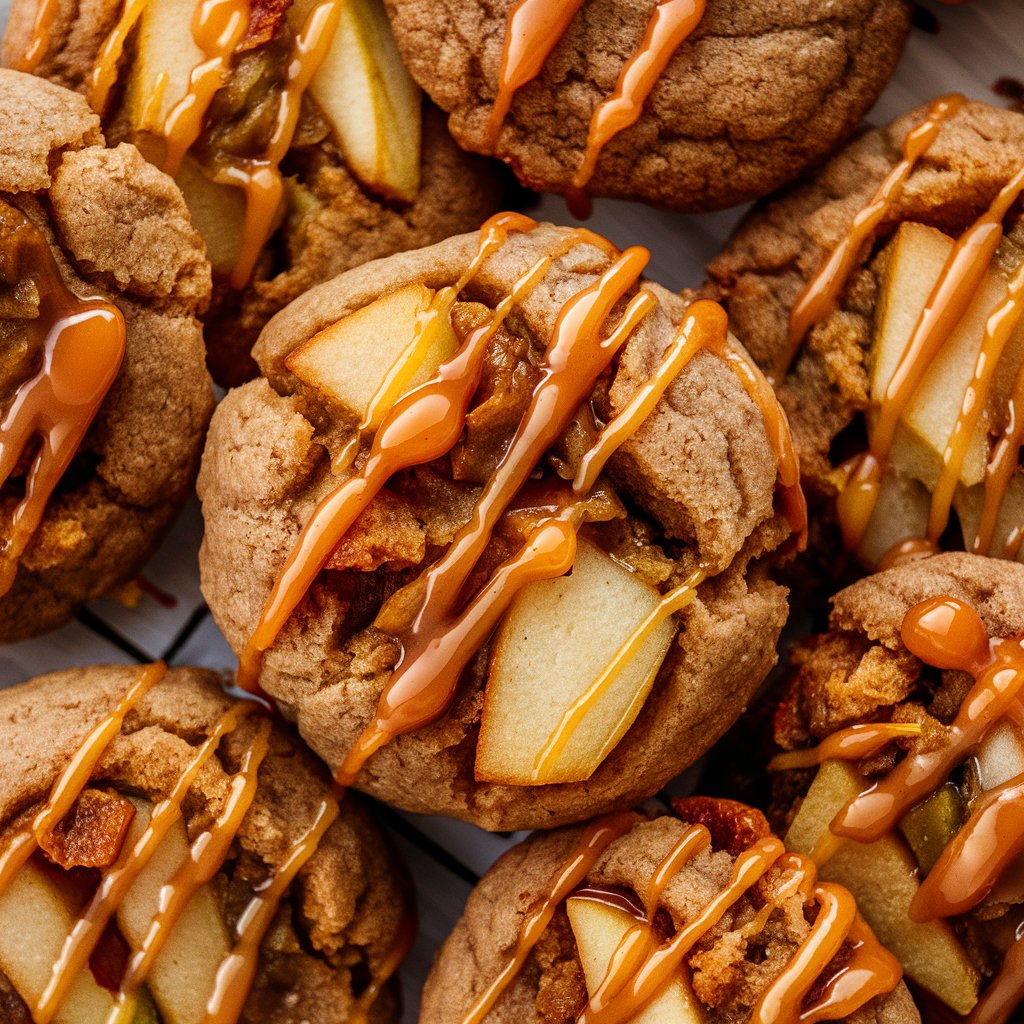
pixel 218 214
pixel 599 928
pixel 184 973
pixel 1000 756
pixel 915 259
pixel 37 917
pixel 369 99
pixel 349 360
pixel 901 512
pixel 165 54
pixel 555 640
pixel 882 877
pixel 969 502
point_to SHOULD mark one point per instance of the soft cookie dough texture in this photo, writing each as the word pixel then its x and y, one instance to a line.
pixel 698 480
pixel 119 228
pixel 340 919
pixel 760 90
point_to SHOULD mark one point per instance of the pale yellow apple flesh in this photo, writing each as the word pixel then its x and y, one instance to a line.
pixel 555 640
pixel 217 212
pixel 37 918
pixel 348 361
pixel 969 502
pixel 882 877
pixel 165 55
pixel 369 99
pixel 900 512
pixel 183 975
pixel 1001 756
pixel 598 929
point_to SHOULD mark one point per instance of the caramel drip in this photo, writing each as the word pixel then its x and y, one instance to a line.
pixel 261 178
pixel 383 974
pixel 420 686
pixel 596 838
pixel 421 426
pixel 851 744
pixel 702 320
pixel 958 282
pixel 998 329
pixel 670 24
pixel 234 979
pixel 206 856
pixel 674 601
pixel 821 292
pixel 947 633
pixel 986 845
pixel 39 40
pixel 1000 469
pixel 117 880
pixel 103 74
pixel 396 381
pixel 73 779
pixel 533 31
pixel 218 26
pixel 912 549
pixel 1005 993
pixel 80 344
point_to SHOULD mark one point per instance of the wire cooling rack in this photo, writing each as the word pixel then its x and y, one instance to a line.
pixel 966 48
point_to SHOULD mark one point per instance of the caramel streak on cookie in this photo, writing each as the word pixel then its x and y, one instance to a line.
pixel 852 744
pixel 80 345
pixel 821 292
pixel 104 71
pixel 1000 469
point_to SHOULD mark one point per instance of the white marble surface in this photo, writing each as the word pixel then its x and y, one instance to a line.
pixel 978 43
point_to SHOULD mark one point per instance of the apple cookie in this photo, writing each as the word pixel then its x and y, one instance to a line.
pixel 105 395
pixel 301 144
pixel 912 795
pixel 393 508
pixel 169 855
pixel 698 918
pixel 884 297
pixel 688 104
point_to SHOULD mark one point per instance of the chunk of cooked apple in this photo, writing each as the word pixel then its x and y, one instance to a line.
pixel 217 212
pixel 38 915
pixel 368 97
pixel 969 502
pixel 1000 757
pixel 912 263
pixel 553 643
pixel 183 974
pixel 900 513
pixel 599 928
pixel 882 877
pixel 348 361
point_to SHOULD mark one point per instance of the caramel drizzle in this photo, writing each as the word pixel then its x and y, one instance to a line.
pixel 103 74
pixel 958 282
pixel 39 40
pixel 670 25
pixel 396 955
pixel 73 779
pixel 80 345
pixel 117 880
pixel 910 550
pixel 852 744
pixel 821 292
pixel 947 633
pixel 596 838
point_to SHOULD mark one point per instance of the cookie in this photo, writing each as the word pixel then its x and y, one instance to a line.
pixel 717 917
pixel 903 421
pixel 683 104
pixel 911 706
pixel 105 393
pixel 470 524
pixel 317 152
pixel 123 789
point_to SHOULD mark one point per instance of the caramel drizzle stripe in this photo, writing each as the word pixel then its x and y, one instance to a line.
pixel 117 880
pixel 420 686
pixel 670 24
pixel 1000 1001
pixel 821 292
pixel 235 977
pixel 597 837
pixel 103 73
pixel 534 30
pixel 999 327
pixel 961 275
pixel 909 550
pixel 206 856
pixel 396 955
pixel 261 179
pixel 851 744
pixel 658 968
pixel 674 601
pixel 407 436
pixel 39 40
pixel 75 776
pixel 218 26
